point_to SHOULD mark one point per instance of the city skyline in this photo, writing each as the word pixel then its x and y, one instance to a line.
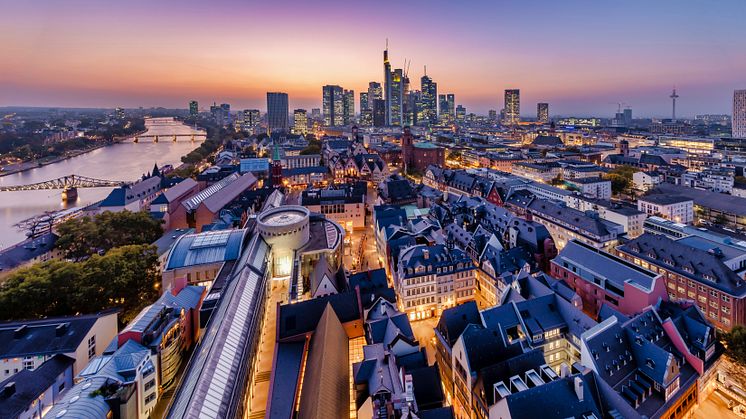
pixel 580 58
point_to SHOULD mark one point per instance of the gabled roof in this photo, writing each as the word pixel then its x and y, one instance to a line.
pixel 325 392
pixel 47 336
pixel 454 320
pixel 30 385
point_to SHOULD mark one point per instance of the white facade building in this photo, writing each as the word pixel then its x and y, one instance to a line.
pixel 674 208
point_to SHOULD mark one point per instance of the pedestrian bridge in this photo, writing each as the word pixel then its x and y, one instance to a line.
pixel 68 184
pixel 168 137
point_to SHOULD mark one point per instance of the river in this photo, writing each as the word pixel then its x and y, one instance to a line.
pixel 126 161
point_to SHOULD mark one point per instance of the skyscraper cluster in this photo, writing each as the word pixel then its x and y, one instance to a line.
pixel 338 105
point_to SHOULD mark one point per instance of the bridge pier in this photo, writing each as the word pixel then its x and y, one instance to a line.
pixel 156 139
pixel 69 194
pixel 192 137
pixel 174 138
pixel 137 140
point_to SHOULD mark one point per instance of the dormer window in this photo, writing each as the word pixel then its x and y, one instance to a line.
pixel 688 269
pixel 651 255
pixel 708 277
pixel 668 262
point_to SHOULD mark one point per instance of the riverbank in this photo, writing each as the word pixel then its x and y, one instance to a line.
pixel 35 164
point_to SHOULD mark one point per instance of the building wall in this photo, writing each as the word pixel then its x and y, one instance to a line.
pixel 427 295
pixel 721 309
pixel 351 216
pixel 680 212
pixel 202 274
pixel 103 332
pixel 633 300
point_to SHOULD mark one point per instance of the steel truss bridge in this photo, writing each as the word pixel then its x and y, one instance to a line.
pixel 66 183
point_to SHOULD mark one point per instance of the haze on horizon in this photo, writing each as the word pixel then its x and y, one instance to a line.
pixel 581 56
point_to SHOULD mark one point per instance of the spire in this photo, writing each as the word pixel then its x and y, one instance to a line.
pixel 275 151
pixel 156 171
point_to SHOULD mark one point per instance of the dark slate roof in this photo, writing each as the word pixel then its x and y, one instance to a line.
pixel 591 262
pixel 661 199
pixel 714 200
pixel 504 370
pixel 676 256
pixel 26 250
pixel 301 318
pixel 286 373
pixel 439 413
pixel 39 337
pixel 570 216
pixel 427 389
pixel 547 140
pixel 652 159
pixel 29 385
pixel 485 347
pixel 373 284
pixel 554 400
pixel 399 189
pixel 454 320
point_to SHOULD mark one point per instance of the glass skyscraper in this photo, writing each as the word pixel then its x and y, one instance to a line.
pixel 277 112
pixel 512 106
pixel 428 105
pixel 332 105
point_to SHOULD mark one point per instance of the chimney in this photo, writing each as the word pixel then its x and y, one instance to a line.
pixel 579 388
pixel 425 254
pixel 20 332
pixel 178 285
pixel 9 389
pixel 61 329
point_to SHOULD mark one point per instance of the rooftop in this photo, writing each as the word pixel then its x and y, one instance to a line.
pixel 206 247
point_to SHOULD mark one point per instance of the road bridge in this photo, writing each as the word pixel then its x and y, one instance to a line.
pixel 68 184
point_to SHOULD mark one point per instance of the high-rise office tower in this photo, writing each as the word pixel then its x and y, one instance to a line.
pixel 193 108
pixel 492 115
pixel 251 118
pixel 413 108
pixel 442 107
pixel 300 122
pixel 332 105
pixel 374 92
pixel 387 81
pixel 277 112
pixel 396 100
pixel 451 104
pixel 739 114
pixel 512 106
pixel 542 112
pixel 379 113
pixel 429 105
pixel 364 102
pixel 348 107
pixel 316 114
pixel 627 117
pixel 460 113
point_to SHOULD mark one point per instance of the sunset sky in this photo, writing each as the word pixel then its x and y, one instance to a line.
pixel 581 56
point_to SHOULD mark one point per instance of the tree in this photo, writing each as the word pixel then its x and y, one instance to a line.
pixel 126 278
pixel 621 178
pixel 736 344
pixel 82 237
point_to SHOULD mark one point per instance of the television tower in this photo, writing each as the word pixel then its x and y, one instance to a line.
pixel 673 97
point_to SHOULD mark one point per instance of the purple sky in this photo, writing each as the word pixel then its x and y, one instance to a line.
pixel 582 57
